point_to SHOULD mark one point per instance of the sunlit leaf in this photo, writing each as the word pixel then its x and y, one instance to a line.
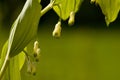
pixel 3 54
pixel 66 7
pixel 14 67
pixel 21 59
pixel 14 71
pixel 110 9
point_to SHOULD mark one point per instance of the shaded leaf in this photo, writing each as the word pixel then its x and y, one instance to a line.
pixel 22 32
pixel 110 9
pixel 66 7
pixel 24 28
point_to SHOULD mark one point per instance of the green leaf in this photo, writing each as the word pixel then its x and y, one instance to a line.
pixel 21 59
pixel 15 65
pixel 22 32
pixel 0 62
pixel 110 9
pixel 66 7
pixel 24 28
pixel 14 71
pixel 3 54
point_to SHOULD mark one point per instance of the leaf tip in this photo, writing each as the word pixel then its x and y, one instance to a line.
pixel 107 21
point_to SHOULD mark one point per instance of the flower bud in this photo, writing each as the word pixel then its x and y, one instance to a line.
pixel 37 58
pixel 36 45
pixel 35 49
pixel 57 30
pixel 38 51
pixel 38 55
pixel 71 18
pixel 31 69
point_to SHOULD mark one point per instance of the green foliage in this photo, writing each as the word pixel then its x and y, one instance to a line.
pixel 25 27
pixel 14 66
pixel 66 6
pixel 23 31
pixel 110 9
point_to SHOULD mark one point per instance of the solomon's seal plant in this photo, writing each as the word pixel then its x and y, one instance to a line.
pixel 24 30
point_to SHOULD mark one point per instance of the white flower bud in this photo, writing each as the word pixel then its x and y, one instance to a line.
pixel 38 51
pixel 36 45
pixel 57 30
pixel 38 55
pixel 31 69
pixel 71 18
pixel 35 49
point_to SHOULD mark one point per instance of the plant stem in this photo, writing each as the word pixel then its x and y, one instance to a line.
pixel 26 55
pixel 47 8
pixel 4 66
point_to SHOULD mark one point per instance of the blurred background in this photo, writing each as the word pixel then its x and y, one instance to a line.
pixel 89 50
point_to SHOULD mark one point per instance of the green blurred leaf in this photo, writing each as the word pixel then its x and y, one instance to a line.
pixel 21 59
pixel 14 67
pixel 14 71
pixel 66 7
pixel 3 54
pixel 110 9
pixel 0 62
